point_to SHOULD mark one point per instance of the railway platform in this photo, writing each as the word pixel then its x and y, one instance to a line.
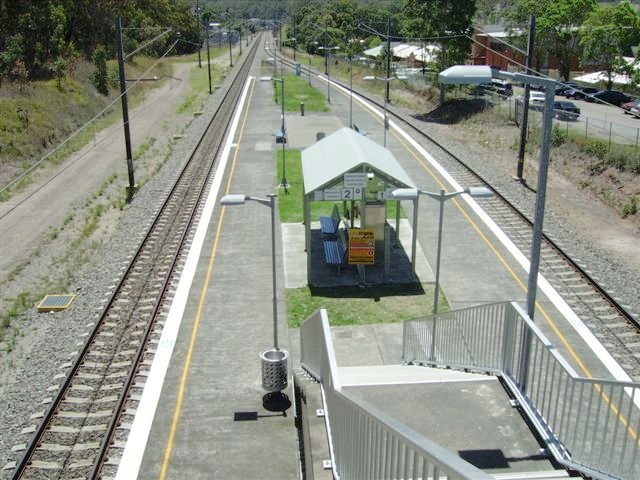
pixel 207 415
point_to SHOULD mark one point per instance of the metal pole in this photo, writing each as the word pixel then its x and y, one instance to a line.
pixel 325 49
pixel 208 56
pixel 199 32
pixel 540 201
pixel 384 120
pixel 272 198
pixel 309 68
pixel 328 79
pixel 414 236
pixel 437 287
pixel 240 36
pixel 125 109
pixel 525 103
pixel 230 56
pixel 388 59
pixel 351 90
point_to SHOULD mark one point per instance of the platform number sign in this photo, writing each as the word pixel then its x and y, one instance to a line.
pixel 352 193
pixel 362 246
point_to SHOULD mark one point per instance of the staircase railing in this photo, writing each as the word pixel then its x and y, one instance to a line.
pixel 364 441
pixel 590 425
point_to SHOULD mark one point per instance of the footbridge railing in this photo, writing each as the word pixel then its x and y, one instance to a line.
pixel 364 441
pixel 590 425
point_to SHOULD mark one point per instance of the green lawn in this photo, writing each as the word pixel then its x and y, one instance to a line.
pixel 345 305
pixel 297 90
pixel 362 306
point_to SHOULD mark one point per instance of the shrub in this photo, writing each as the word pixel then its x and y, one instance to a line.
pixel 630 208
pixel 558 135
pixel 597 148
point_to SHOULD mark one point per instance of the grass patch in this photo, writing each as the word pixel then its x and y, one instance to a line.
pixel 362 306
pixel 290 206
pixel 296 90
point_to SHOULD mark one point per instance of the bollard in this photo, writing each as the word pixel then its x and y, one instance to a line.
pixel 302 109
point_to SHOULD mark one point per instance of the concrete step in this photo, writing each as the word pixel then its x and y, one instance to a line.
pixel 403 374
pixel 542 475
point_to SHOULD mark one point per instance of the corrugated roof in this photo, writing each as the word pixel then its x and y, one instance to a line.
pixel 325 163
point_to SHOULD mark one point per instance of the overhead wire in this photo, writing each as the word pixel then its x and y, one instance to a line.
pixel 74 134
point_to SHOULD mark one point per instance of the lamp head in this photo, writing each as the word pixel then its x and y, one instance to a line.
pixel 479 192
pixel 234 199
pixel 405 194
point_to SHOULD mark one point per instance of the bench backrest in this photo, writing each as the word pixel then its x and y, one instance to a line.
pixel 335 214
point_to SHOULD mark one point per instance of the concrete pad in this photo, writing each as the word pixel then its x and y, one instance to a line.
pixel 302 131
pixel 473 418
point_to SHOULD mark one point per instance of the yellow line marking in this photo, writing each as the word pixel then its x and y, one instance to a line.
pixel 203 294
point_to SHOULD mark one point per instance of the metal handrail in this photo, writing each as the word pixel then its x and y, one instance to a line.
pixel 364 441
pixel 590 425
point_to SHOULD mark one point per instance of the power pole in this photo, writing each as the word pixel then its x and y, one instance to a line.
pixel 525 104
pixel 388 59
pixel 125 110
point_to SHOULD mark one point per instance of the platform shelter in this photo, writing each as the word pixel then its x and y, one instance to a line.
pixel 347 166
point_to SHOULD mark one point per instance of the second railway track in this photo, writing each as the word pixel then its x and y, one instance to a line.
pixel 612 323
pixel 81 433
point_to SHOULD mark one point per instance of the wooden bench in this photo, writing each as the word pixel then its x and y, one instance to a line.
pixel 329 225
pixel 335 250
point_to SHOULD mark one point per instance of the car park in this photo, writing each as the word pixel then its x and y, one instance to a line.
pixel 631 104
pixel 564 110
pixel 612 97
pixel 580 93
pixel 562 88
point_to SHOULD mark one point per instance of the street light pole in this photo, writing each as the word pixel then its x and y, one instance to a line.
pixel 283 182
pixel 386 84
pixel 442 196
pixel 274 367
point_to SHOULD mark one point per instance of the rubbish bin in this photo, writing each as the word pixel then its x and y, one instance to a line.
pixel 274 370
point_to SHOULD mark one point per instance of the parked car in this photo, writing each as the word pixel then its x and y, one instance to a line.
pixel 580 93
pixel 536 100
pixel 562 88
pixel 564 110
pixel 635 111
pixel 629 105
pixel 613 97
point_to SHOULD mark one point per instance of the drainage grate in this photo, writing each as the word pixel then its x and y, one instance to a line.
pixel 55 303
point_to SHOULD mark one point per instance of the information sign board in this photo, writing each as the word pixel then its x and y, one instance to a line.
pixel 352 180
pixel 333 194
pixel 362 246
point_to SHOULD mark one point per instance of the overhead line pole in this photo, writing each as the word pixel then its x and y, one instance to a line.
pixel 525 104
pixel 125 110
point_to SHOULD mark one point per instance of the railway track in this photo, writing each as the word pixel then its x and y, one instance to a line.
pixel 84 428
pixel 610 321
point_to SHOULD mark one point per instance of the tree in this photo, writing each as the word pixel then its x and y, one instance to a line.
pixel 59 68
pixel 608 33
pixel 557 26
pixel 447 22
pixel 100 76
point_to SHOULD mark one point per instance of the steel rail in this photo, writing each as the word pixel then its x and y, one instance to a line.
pixel 622 311
pixel 232 96
pixel 63 389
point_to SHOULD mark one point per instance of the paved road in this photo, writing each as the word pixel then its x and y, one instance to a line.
pixel 29 215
